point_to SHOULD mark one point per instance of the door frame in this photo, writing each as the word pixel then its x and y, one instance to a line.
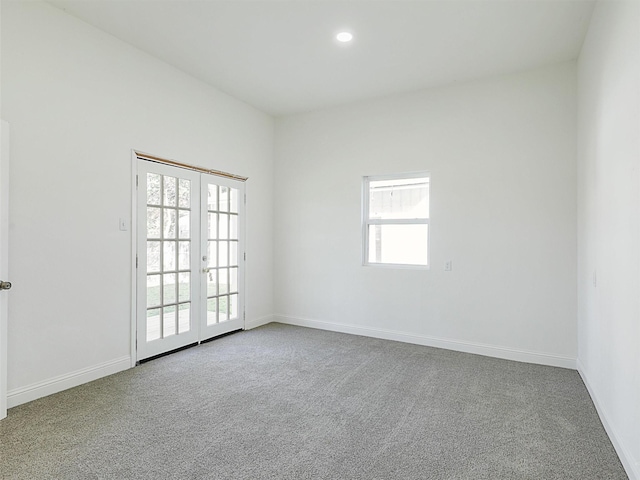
pixel 4 261
pixel 134 256
pixel 139 155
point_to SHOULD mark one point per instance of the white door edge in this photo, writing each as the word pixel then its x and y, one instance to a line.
pixel 4 258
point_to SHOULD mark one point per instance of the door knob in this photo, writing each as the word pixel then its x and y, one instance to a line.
pixel 5 285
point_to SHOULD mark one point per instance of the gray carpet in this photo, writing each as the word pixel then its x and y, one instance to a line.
pixel 282 402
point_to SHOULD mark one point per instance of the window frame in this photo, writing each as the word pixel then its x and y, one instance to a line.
pixel 367 221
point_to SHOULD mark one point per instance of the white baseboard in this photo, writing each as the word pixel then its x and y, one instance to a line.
pixel 258 322
pixel 631 466
pixel 457 345
pixel 26 394
pixel 21 395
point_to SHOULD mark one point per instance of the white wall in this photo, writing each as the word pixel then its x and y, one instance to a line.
pixel 78 101
pixel 609 221
pixel 501 154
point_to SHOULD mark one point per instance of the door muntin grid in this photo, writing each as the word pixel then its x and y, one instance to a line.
pixel 168 255
pixel 222 259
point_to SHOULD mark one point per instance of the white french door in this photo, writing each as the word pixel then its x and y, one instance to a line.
pixel 222 247
pixel 190 257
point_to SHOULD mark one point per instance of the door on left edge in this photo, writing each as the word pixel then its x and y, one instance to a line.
pixel 4 257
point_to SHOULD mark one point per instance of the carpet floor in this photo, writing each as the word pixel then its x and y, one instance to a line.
pixel 283 402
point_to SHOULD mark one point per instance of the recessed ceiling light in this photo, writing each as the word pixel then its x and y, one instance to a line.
pixel 344 37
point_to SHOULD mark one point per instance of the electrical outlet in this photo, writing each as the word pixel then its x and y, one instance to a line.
pixel 448 266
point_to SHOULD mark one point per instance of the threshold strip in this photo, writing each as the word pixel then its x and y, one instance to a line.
pixel 195 344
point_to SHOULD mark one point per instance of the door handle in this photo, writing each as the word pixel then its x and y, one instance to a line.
pixel 5 285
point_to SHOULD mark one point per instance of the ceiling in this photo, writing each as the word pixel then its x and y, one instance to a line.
pixel 282 57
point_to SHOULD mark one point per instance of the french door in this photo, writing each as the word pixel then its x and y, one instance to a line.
pixel 190 257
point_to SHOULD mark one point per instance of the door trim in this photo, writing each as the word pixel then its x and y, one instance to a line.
pixel 134 238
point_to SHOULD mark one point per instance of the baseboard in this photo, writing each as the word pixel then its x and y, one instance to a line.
pixel 631 466
pixel 258 322
pixel 460 346
pixel 26 394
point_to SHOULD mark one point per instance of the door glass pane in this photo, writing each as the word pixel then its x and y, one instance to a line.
pixel 212 311
pixel 223 281
pixel 169 256
pixel 223 314
pixel 212 199
pixel 224 199
pixel 233 253
pixel 184 224
pixel 223 254
pixel 234 200
pixel 223 226
pixel 233 306
pixel 153 324
pixel 212 283
pixel 184 193
pixel 212 254
pixel 184 317
pixel 169 288
pixel 168 321
pixel 184 287
pixel 170 190
pixel 169 223
pixel 153 189
pixel 233 227
pixel 183 255
pixel 153 291
pixel 233 280
pixel 153 257
pixel 213 226
pixel 153 222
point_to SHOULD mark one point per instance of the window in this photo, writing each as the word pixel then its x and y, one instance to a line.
pixel 396 219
